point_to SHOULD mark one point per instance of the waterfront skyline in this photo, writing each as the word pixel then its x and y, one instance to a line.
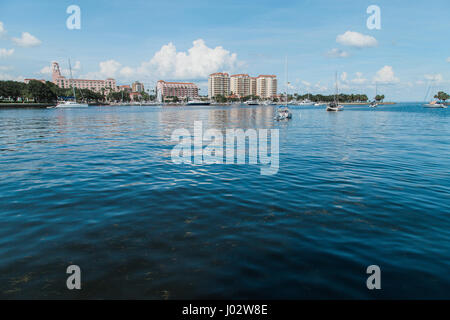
pixel 404 56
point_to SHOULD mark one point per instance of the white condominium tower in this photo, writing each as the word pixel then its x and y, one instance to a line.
pixel 253 86
pixel 240 85
pixel 266 86
pixel 219 84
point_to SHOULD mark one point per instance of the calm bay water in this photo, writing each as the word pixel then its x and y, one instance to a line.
pixel 97 188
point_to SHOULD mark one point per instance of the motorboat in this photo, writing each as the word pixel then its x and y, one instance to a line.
pixel 252 103
pixel 198 103
pixel 283 113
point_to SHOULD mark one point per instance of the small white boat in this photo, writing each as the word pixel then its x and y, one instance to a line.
pixel 318 104
pixel 198 103
pixel 436 105
pixel 71 104
pixel 283 113
pixel 373 104
pixel 335 107
pixel 252 103
pixel 306 102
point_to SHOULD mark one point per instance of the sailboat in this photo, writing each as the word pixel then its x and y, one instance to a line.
pixel 335 106
pixel 71 104
pixel 283 112
pixel 374 103
pixel 435 104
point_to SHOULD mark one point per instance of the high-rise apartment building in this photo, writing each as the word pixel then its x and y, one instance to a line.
pixel 240 85
pixel 266 86
pixel 180 90
pixel 219 84
pixel 253 86
pixel 137 87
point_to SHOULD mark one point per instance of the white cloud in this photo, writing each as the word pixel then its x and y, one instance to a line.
pixel 197 63
pixel 6 68
pixel 386 75
pixel 127 72
pixel 46 70
pixel 306 83
pixel 6 76
pixel 5 52
pixel 344 76
pixel 356 39
pixel 337 53
pixel 320 88
pixel 109 68
pixel 2 30
pixel 27 40
pixel 359 80
pixel 448 59
pixel 434 77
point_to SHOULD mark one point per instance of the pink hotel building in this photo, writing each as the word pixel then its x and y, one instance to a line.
pixel 94 85
pixel 176 89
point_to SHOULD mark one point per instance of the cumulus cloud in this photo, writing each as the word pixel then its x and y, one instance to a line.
pixel 27 40
pixel 5 52
pixel 356 39
pixel 6 76
pixel 359 80
pixel 2 30
pixel 434 77
pixel 320 88
pixel 127 72
pixel 386 75
pixel 306 83
pixel 168 63
pixel 109 68
pixel 337 53
pixel 198 62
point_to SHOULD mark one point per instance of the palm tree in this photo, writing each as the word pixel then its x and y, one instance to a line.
pixel 442 96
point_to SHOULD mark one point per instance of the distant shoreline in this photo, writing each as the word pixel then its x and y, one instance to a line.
pixel 26 105
pixel 367 103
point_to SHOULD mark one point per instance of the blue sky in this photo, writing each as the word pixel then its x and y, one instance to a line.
pixel 126 39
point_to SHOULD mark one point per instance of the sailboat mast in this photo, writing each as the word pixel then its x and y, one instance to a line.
pixel 287 83
pixel 336 91
pixel 71 80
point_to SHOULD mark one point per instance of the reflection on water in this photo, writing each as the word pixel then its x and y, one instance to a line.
pixel 97 188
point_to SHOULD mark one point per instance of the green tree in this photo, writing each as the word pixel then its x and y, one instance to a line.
pixel 442 96
pixel 379 98
pixel 41 92
pixel 12 89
